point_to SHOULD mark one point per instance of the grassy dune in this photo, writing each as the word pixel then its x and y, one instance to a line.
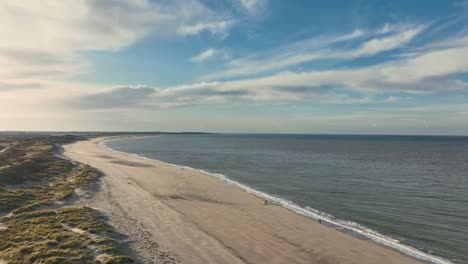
pixel 37 227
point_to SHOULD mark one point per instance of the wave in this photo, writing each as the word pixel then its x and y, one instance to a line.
pixel 306 211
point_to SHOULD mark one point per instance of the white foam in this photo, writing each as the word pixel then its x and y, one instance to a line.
pixel 308 212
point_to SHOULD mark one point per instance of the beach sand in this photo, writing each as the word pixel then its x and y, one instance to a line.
pixel 173 215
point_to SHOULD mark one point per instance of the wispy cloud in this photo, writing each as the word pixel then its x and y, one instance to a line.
pixel 427 72
pixel 252 6
pixel 319 48
pixel 380 44
pixel 218 27
pixel 209 53
pixel 206 54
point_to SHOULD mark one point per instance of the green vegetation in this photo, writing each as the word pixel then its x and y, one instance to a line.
pixel 67 235
pixel 37 227
pixel 58 189
pixel 30 161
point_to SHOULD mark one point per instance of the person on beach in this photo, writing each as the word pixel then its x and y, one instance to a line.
pixel 320 221
pixel 265 203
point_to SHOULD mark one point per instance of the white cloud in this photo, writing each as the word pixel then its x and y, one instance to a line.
pixel 422 73
pixel 43 41
pixel 316 49
pixel 219 27
pixel 210 53
pixel 389 28
pixel 282 57
pixel 206 54
pixel 353 35
pixel 377 45
pixel 252 6
pixel 98 113
pixel 432 63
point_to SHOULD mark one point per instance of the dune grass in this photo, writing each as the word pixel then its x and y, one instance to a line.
pixel 67 235
pixel 56 189
pixel 37 227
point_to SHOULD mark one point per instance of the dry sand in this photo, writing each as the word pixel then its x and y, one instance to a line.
pixel 173 215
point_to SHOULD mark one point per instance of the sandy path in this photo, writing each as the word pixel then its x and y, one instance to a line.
pixel 173 215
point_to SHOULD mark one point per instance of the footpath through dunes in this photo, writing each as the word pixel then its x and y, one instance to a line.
pixel 201 219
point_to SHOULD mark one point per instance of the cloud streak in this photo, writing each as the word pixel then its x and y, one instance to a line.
pixel 424 72
pixel 252 6
pixel 319 49
pixel 209 54
pixel 218 27
pixel 204 55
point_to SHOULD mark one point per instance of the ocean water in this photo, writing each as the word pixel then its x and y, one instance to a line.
pixel 407 192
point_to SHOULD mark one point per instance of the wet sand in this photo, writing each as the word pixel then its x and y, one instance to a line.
pixel 176 215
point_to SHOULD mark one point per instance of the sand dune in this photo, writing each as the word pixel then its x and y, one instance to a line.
pixel 173 215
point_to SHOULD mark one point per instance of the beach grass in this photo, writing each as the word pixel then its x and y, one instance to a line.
pixel 66 235
pixel 38 226
pixel 33 196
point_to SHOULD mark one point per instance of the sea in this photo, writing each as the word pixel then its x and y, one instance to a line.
pixel 409 193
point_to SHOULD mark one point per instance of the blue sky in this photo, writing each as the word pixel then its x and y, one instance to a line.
pixel 366 67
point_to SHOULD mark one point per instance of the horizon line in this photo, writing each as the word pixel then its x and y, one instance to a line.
pixel 226 133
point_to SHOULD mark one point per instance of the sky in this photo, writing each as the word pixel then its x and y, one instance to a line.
pixel 235 66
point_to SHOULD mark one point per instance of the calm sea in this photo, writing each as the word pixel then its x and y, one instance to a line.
pixel 396 190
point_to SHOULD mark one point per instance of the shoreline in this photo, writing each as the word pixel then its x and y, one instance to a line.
pixel 354 229
pixel 176 202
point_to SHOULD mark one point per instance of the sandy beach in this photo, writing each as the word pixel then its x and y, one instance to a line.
pixel 173 215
